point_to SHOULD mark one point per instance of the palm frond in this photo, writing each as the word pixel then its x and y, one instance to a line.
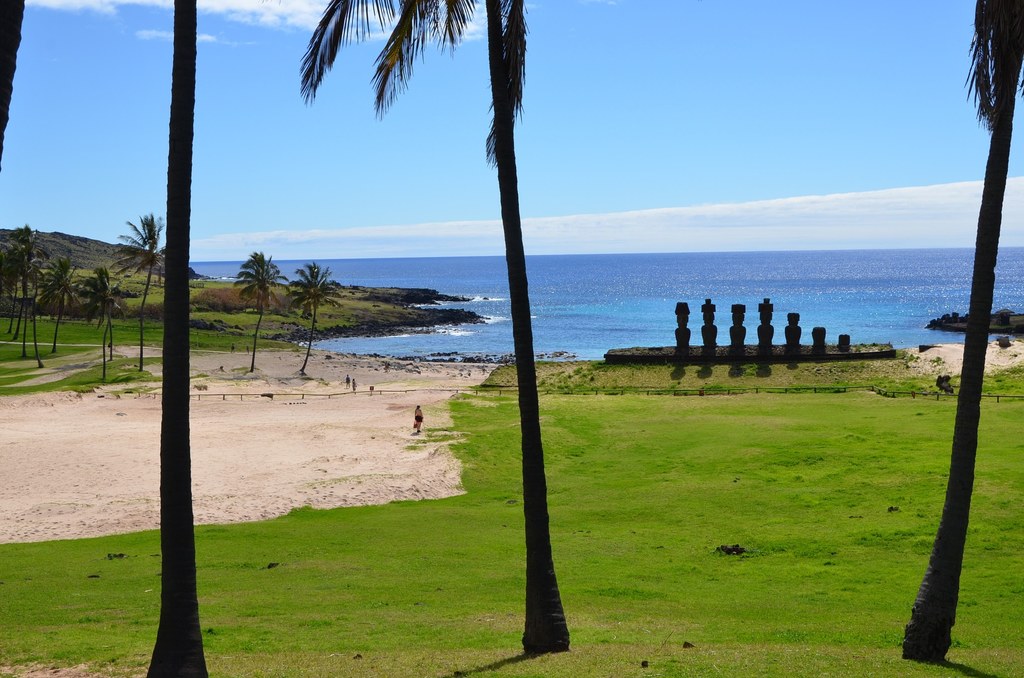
pixel 58 282
pixel 416 24
pixel 313 288
pixel 514 42
pixel 343 22
pixel 457 17
pixel 258 277
pixel 513 45
pixel 997 51
pixel 140 248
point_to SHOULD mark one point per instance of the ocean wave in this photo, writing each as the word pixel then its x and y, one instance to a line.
pixel 454 331
pixel 479 299
pixel 492 319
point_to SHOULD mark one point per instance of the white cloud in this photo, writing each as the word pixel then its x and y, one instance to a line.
pixel 168 36
pixel 930 216
pixel 302 14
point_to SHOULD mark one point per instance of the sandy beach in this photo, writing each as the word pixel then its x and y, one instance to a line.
pixel 262 444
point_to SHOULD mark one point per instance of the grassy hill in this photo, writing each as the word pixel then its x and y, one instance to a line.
pixel 85 253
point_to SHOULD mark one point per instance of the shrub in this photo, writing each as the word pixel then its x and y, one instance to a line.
pixel 219 299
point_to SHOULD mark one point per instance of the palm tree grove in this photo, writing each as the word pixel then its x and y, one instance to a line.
pixel 386 490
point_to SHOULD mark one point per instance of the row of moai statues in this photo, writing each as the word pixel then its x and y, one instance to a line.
pixel 738 333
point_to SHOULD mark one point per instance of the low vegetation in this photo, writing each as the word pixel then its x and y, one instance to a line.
pixel 907 372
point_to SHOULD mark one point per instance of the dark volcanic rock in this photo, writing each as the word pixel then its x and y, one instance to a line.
pixel 418 319
pixel 410 296
pixel 1003 320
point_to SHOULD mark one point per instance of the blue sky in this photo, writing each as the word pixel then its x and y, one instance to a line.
pixel 649 126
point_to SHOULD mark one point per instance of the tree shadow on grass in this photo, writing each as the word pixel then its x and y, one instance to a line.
pixel 965 670
pixel 494 666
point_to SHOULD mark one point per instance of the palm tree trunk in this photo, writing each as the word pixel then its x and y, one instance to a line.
pixel 179 642
pixel 56 328
pixel 24 312
pixel 11 19
pixel 928 634
pixel 10 320
pixel 545 627
pixel 35 336
pixel 142 313
pixel 110 339
pixel 103 349
pixel 309 344
pixel 255 336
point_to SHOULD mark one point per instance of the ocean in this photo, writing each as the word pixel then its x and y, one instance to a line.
pixel 584 305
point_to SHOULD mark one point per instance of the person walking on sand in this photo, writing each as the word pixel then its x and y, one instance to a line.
pixel 417 420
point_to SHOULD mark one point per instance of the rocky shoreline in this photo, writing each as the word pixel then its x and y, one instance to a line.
pixel 1004 321
pixel 418 316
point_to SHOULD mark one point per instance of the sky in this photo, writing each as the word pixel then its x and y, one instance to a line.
pixel 648 126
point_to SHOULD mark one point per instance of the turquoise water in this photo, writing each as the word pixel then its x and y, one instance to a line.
pixel 586 304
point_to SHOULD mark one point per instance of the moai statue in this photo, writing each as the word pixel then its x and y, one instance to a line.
pixel 793 333
pixel 844 343
pixel 765 331
pixel 682 331
pixel 818 337
pixel 737 333
pixel 709 332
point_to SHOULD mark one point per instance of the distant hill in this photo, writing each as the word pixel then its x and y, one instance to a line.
pixel 85 253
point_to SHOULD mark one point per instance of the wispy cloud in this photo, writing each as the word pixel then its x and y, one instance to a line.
pixel 302 14
pixel 168 36
pixel 930 216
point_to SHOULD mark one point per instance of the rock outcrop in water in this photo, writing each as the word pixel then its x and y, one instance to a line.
pixel 1004 321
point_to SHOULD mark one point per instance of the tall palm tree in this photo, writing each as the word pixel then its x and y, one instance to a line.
pixel 101 299
pixel 178 650
pixel 258 277
pixel 28 259
pixel 9 276
pixel 12 14
pixel 312 289
pixel 3 276
pixel 140 251
pixel 58 289
pixel 997 53
pixel 417 22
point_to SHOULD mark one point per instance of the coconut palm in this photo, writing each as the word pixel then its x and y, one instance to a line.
pixel 28 257
pixel 9 275
pixel 997 53
pixel 140 251
pixel 12 14
pixel 178 650
pixel 312 289
pixel 58 289
pixel 258 277
pixel 101 299
pixel 3 269
pixel 417 22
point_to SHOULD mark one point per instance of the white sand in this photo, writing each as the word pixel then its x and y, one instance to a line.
pixel 88 465
pixel 949 358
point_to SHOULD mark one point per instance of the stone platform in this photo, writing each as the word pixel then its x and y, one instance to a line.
pixel 697 355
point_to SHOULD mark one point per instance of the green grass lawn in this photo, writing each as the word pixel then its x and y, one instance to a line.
pixel 835 497
pixel 77 359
